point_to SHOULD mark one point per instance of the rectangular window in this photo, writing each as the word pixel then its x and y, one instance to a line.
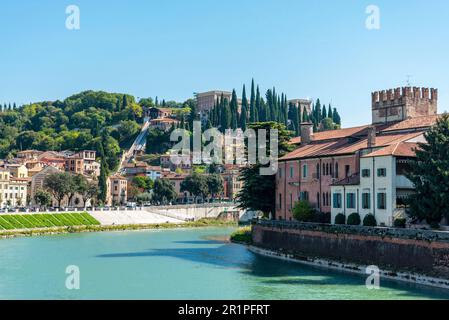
pixel 280 172
pixel 350 200
pixel 304 171
pixel 292 172
pixel 366 200
pixel 304 195
pixel 366 173
pixel 382 201
pixel 336 198
pixel 381 172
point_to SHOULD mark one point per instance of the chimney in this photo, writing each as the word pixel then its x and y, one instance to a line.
pixel 371 136
pixel 306 132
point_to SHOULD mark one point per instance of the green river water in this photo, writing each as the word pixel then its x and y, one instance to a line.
pixel 173 264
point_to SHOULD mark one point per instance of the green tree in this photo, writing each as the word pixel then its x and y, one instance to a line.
pixel 59 185
pixel 164 192
pixel 143 198
pixel 196 184
pixel 214 184
pixel 302 211
pixel 43 198
pixel 252 104
pixel 144 183
pixel 102 182
pixel 88 190
pixel 258 191
pixel 244 112
pixel 430 175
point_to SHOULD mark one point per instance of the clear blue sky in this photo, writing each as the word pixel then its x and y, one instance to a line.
pixel 172 48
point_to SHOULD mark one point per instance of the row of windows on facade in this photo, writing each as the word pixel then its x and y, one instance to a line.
pixel 304 195
pixel 337 200
pixel 13 195
pixel 366 200
pixel 381 172
pixel 327 170
pixel 11 188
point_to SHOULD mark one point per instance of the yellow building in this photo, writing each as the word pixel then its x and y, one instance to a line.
pixel 13 191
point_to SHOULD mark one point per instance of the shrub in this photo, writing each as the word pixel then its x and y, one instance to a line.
pixel 242 235
pixel 303 212
pixel 340 219
pixel 354 219
pixel 399 223
pixel 322 217
pixel 369 221
pixel 434 225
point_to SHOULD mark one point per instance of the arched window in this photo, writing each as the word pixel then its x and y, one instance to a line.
pixel 336 170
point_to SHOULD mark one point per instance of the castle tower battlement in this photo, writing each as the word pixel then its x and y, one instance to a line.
pixel 403 103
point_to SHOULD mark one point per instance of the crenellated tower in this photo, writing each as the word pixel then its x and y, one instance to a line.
pixel 403 103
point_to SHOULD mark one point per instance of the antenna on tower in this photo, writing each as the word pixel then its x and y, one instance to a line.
pixel 409 83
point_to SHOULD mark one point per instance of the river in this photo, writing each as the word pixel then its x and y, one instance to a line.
pixel 172 264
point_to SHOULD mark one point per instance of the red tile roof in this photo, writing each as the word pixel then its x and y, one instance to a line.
pixel 400 149
pixel 350 140
pixel 344 146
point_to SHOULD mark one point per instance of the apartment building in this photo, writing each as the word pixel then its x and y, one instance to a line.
pixel 206 100
pixel 117 190
pixel 324 160
pixel 13 191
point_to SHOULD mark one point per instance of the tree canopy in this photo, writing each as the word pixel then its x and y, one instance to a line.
pixel 430 175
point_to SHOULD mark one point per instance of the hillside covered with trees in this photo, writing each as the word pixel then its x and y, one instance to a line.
pixel 99 121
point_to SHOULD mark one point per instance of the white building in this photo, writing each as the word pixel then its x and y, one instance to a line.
pixel 381 186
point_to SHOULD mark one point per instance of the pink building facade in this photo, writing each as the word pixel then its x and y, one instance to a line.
pixel 310 179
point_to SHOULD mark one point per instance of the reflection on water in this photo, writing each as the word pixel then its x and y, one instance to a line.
pixel 173 264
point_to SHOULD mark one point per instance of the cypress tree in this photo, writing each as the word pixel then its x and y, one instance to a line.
pixel 317 114
pixel 102 181
pixel 324 113
pixel 329 113
pixel 336 117
pixel 244 112
pixel 259 110
pixel 252 107
pixel 234 110
pixel 125 101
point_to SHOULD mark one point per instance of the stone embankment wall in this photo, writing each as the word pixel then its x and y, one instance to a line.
pixel 421 251
pixel 196 212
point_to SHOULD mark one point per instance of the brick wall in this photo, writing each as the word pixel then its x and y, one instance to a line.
pixel 425 252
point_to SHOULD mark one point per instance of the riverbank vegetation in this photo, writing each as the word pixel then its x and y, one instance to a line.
pixel 34 221
pixel 9 233
pixel 242 235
